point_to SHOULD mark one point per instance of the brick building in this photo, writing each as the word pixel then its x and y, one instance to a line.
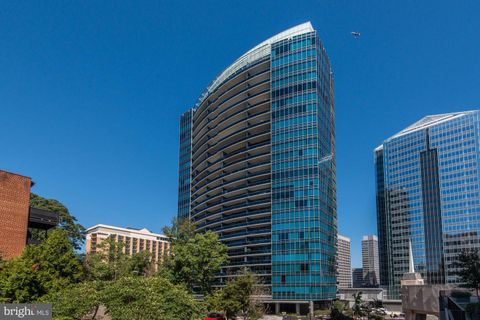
pixel 17 218
pixel 14 212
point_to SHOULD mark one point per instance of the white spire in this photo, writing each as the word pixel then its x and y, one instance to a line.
pixel 411 278
pixel 411 267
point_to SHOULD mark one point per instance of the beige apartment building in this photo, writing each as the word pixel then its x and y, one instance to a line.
pixel 134 240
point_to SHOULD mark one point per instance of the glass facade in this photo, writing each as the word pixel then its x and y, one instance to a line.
pixel 428 191
pixel 383 222
pixel 303 171
pixel 185 163
pixel 263 166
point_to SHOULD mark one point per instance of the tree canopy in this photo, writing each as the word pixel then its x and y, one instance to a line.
pixel 141 298
pixel 337 311
pixel 110 262
pixel 74 302
pixel 68 222
pixel 40 269
pixel 149 298
pixel 238 297
pixel 122 285
pixel 196 257
pixel 468 269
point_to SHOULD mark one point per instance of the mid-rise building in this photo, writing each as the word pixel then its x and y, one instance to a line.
pixel 344 262
pixel 357 277
pixel 132 240
pixel 370 262
pixel 258 150
pixel 428 181
pixel 17 218
pixel 14 207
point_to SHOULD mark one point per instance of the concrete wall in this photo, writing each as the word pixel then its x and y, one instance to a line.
pixel 421 300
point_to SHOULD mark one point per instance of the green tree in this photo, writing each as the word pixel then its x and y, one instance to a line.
pixel 68 222
pixel 110 262
pixel 124 287
pixel 180 231
pixel 58 265
pixel 214 301
pixel 140 298
pixel 149 298
pixel 196 257
pixel 74 302
pixel 18 278
pixel 239 297
pixel 468 269
pixel 358 307
pixel 41 269
pixel 337 311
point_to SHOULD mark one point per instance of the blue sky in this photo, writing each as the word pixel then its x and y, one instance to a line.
pixel 91 91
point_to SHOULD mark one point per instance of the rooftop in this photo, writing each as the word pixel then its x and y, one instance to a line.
pixel 143 231
pixel 430 121
pixel 339 236
pixel 261 50
pixel 15 174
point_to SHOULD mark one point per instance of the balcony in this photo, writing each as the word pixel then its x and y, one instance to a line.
pixel 42 219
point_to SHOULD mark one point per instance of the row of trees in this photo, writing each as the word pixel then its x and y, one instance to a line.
pixel 133 287
pixel 125 286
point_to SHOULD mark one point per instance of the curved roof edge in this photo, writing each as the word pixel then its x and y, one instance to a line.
pixel 259 51
pixel 429 121
pixel 143 231
pixel 426 122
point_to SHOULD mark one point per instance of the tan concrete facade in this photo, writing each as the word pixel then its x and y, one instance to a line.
pixel 370 261
pixel 421 300
pixel 134 240
pixel 344 262
pixel 14 206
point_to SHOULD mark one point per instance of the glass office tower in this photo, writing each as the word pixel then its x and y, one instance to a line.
pixel 185 164
pixel 428 191
pixel 303 170
pixel 263 166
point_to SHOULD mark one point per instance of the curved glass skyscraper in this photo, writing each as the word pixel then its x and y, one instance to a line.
pixel 258 165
